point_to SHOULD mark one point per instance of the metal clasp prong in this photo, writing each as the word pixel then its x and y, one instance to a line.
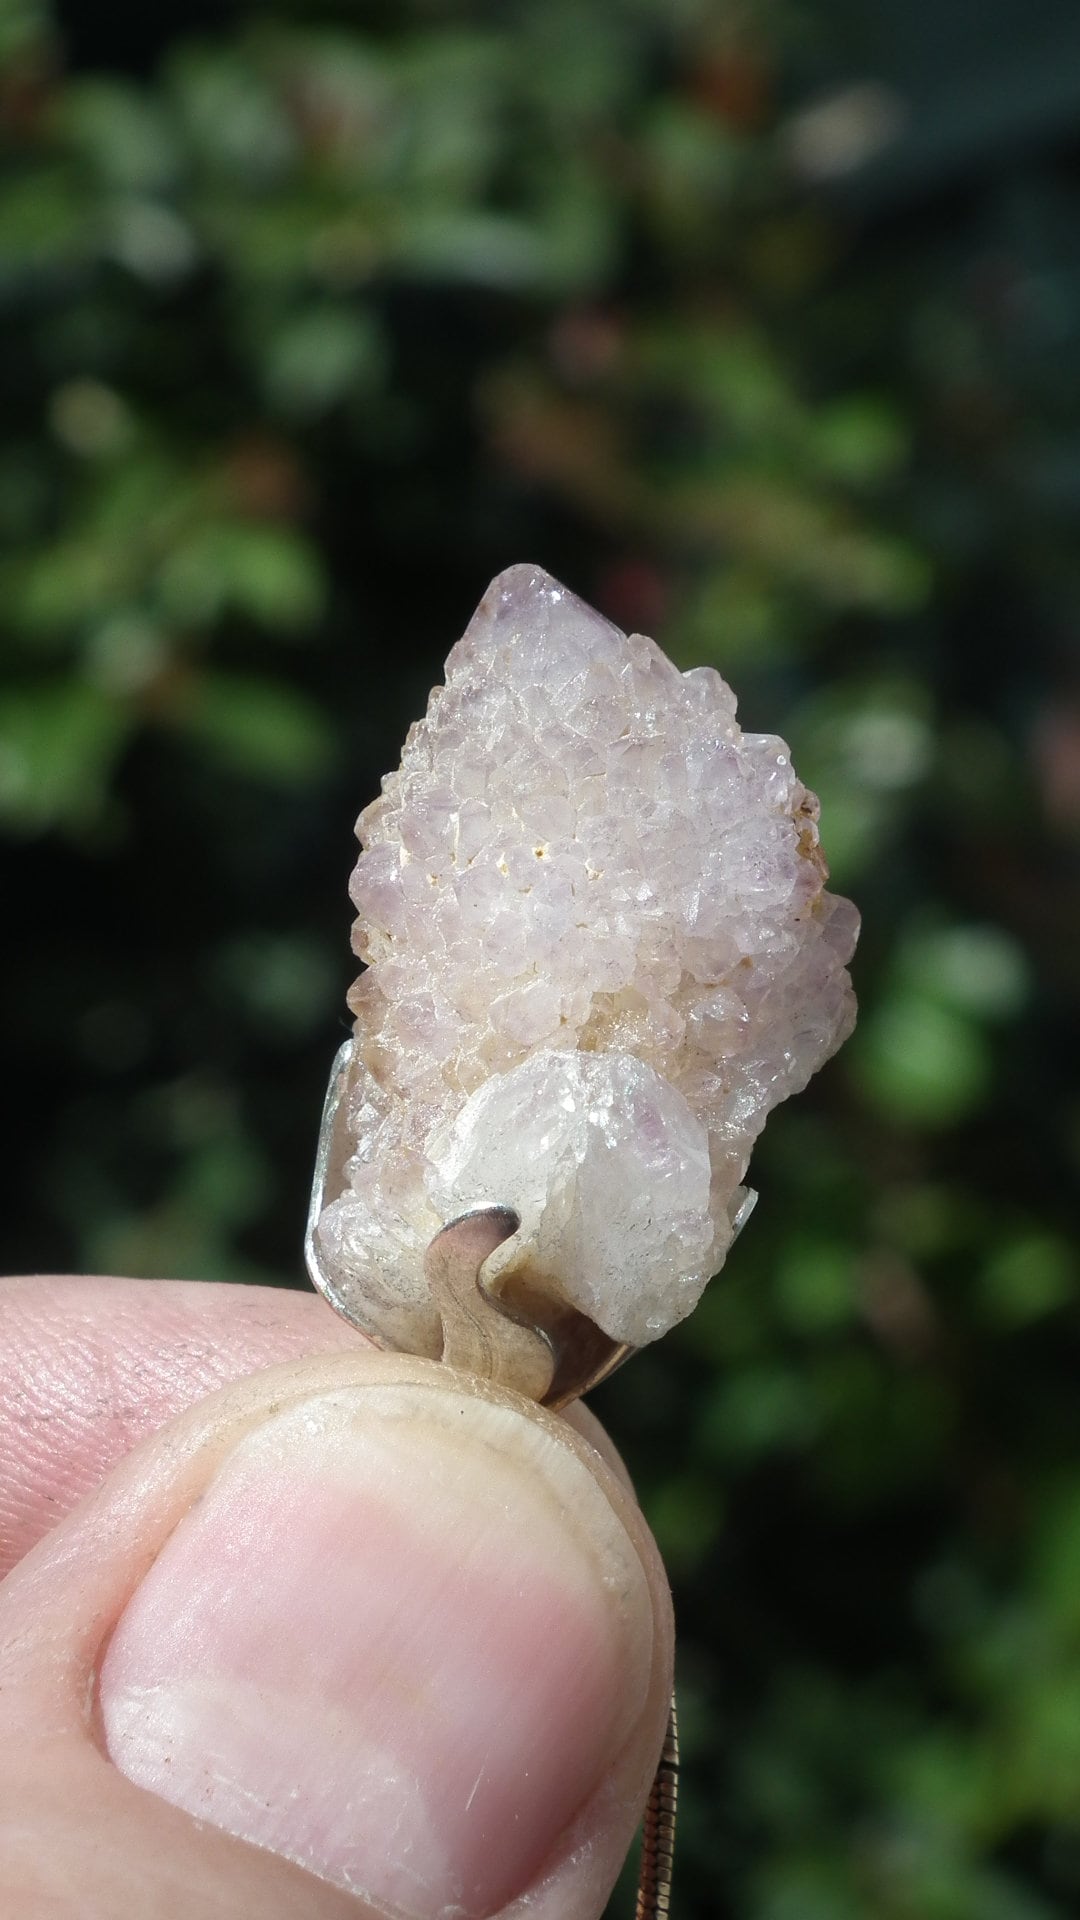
pixel 522 1335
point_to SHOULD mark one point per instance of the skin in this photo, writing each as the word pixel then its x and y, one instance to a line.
pixel 121 1405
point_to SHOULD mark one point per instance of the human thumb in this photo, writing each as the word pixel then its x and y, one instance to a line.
pixel 364 1617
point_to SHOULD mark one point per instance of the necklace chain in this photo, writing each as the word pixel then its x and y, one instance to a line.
pixel 658 1837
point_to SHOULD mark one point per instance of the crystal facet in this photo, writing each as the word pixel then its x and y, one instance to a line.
pixel 598 952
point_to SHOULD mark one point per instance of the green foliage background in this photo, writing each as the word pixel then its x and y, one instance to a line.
pixel 760 325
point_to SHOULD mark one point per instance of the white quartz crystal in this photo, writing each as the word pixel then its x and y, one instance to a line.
pixel 598 950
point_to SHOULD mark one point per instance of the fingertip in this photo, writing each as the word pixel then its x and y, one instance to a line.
pixel 91 1365
pixel 476 1582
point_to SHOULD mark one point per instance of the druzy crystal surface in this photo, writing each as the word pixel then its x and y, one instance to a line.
pixel 598 951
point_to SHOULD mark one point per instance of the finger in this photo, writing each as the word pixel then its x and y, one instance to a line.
pixel 405 1635
pixel 89 1366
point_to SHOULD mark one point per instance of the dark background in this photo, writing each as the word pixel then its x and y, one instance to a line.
pixel 760 325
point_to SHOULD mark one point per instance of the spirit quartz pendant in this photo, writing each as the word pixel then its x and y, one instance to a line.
pixel 598 951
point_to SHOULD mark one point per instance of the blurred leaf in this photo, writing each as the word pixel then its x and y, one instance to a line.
pixel 1031 1275
pixel 1056 1557
pixel 64 583
pixel 219 1183
pixel 738 619
pixel 561 248
pixel 283 982
pixel 45 227
pixel 90 418
pixel 810 1889
pixel 268 573
pixel 980 971
pixel 59 741
pixel 24 25
pixel 920 1061
pixel 257 729
pixel 123 133
pixel 237 124
pixel 860 440
pixel 815 1285
pixel 1043 1754
pixel 318 357
pixel 941 1779
pixel 757 1409
pixel 686 1516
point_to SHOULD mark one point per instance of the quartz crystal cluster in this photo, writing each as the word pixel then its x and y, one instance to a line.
pixel 598 951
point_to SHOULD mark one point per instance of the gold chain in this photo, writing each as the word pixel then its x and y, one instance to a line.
pixel 658 1837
